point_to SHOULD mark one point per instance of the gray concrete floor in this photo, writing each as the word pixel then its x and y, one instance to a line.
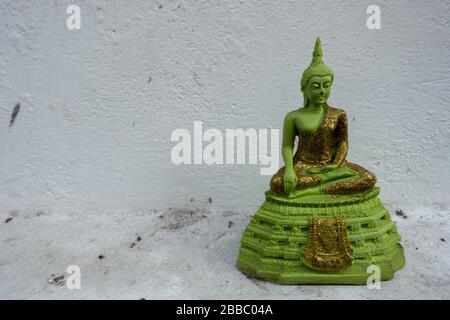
pixel 188 254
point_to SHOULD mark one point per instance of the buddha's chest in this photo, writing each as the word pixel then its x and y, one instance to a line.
pixel 309 123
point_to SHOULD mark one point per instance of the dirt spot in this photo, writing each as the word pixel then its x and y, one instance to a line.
pixel 229 213
pixel 400 213
pixel 8 220
pixel 442 239
pixel 209 200
pixel 177 219
pixel 160 6
pixel 101 257
pixel 230 224
pixel 57 279
pixel 133 244
pixel 221 235
pixel 180 218
pixel 14 114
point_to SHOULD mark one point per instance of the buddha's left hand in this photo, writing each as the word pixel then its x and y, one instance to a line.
pixel 323 169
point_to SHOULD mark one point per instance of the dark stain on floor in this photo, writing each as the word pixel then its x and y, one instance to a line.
pixel 57 279
pixel 138 239
pixel 400 213
pixel 180 218
pixel 177 219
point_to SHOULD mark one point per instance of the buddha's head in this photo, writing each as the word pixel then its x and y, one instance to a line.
pixel 316 79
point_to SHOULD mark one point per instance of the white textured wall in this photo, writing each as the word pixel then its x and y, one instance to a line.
pixel 94 133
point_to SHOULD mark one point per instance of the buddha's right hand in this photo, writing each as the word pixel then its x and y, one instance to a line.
pixel 289 180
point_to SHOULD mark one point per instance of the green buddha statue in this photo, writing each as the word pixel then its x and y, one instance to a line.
pixel 322 221
pixel 320 159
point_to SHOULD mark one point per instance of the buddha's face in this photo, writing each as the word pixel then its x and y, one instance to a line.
pixel 318 89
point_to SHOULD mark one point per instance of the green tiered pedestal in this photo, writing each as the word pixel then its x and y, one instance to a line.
pixel 273 244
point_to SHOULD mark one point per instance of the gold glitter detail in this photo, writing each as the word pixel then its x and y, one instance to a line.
pixel 328 248
pixel 327 145
pixel 303 180
pixel 319 148
pixel 341 139
pixel 366 180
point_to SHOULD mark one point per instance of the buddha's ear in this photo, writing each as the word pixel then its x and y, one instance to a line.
pixel 305 96
pixel 305 100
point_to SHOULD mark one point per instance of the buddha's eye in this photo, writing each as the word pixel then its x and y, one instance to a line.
pixel 326 85
pixel 315 85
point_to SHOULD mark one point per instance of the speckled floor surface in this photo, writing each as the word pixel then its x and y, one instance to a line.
pixel 188 254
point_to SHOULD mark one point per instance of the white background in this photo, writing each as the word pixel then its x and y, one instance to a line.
pixel 93 133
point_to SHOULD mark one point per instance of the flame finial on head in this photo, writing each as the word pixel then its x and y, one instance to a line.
pixel 316 68
pixel 317 53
